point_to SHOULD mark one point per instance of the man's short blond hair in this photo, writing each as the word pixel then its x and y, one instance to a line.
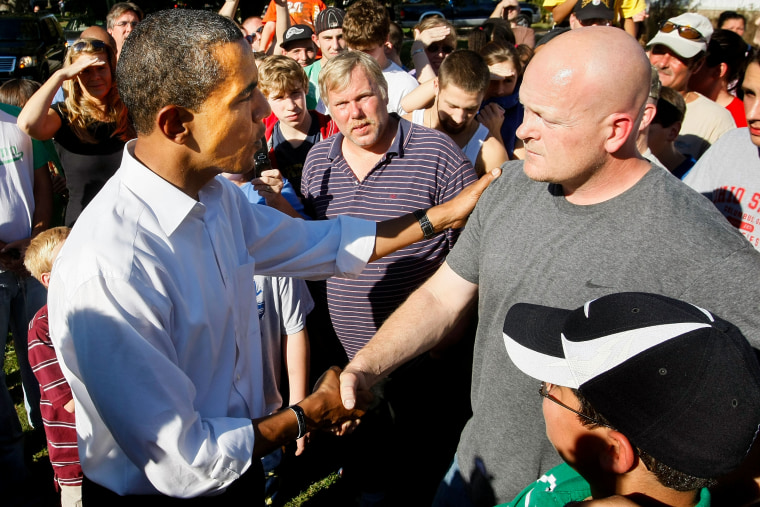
pixel 281 75
pixel 336 73
pixel 39 254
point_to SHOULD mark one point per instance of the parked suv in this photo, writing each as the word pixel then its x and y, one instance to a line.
pixel 461 13
pixel 31 46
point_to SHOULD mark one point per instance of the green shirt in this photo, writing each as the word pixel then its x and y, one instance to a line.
pixel 312 72
pixel 561 485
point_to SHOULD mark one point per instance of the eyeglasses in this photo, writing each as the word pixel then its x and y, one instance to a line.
pixel 122 24
pixel 250 38
pixel 511 8
pixel 686 32
pixel 544 391
pixel 439 48
pixel 97 45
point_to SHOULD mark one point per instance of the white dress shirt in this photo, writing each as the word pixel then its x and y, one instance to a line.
pixel 153 314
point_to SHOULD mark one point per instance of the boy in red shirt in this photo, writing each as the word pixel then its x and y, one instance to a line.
pixel 57 403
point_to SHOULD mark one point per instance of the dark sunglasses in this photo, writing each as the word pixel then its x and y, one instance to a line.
pixel 686 32
pixel 88 44
pixel 439 48
pixel 249 38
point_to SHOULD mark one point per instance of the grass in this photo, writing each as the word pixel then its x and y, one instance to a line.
pixel 315 494
pixel 320 492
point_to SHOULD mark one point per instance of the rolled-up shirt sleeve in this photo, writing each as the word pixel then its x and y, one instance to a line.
pixel 309 249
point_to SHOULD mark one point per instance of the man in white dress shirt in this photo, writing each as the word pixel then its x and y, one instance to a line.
pixel 152 306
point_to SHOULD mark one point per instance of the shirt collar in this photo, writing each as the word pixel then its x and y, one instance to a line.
pixel 169 204
pixel 396 149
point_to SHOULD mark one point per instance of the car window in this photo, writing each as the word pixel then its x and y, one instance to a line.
pixel 13 29
pixel 54 28
pixel 46 29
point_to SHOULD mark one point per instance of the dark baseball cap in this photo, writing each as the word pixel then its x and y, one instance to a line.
pixel 593 9
pixel 328 19
pixel 296 33
pixel 681 383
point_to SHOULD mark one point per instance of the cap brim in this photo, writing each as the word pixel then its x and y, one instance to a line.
pixel 533 337
pixel 285 45
pixel 682 47
pixel 594 13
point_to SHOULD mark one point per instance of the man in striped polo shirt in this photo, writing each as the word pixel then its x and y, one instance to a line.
pixel 381 166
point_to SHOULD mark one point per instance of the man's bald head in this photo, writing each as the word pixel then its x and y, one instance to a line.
pixel 604 66
pixel 99 33
pixel 584 97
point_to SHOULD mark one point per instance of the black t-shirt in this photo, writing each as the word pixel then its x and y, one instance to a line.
pixel 290 160
pixel 87 166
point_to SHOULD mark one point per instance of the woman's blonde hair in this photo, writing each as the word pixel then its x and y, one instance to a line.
pixel 81 112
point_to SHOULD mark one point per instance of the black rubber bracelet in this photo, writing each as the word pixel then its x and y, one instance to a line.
pixel 301 417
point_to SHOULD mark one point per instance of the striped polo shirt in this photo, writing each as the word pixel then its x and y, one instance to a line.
pixel 422 168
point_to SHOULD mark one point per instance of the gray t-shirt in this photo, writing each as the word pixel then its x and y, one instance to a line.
pixel 525 243
pixel 283 304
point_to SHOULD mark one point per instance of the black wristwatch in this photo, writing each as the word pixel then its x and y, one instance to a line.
pixel 425 225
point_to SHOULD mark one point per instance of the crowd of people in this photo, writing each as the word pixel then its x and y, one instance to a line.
pixel 240 254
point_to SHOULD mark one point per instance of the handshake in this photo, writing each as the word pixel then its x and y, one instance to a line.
pixel 326 410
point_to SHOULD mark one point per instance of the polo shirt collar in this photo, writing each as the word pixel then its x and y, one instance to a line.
pixel 396 149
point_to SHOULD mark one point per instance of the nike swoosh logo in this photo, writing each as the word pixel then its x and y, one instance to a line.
pixel 592 285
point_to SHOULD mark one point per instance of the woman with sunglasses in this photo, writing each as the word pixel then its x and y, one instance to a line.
pixel 89 128
pixel 434 39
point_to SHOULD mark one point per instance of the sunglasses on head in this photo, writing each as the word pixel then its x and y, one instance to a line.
pixel 686 32
pixel 439 48
pixel 88 44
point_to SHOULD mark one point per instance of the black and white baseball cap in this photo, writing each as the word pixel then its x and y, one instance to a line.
pixel 679 382
pixel 329 19
pixel 594 9
pixel 296 33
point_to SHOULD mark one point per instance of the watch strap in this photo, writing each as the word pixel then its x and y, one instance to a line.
pixel 427 228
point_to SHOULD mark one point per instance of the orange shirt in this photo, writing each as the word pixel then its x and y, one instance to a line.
pixel 301 13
